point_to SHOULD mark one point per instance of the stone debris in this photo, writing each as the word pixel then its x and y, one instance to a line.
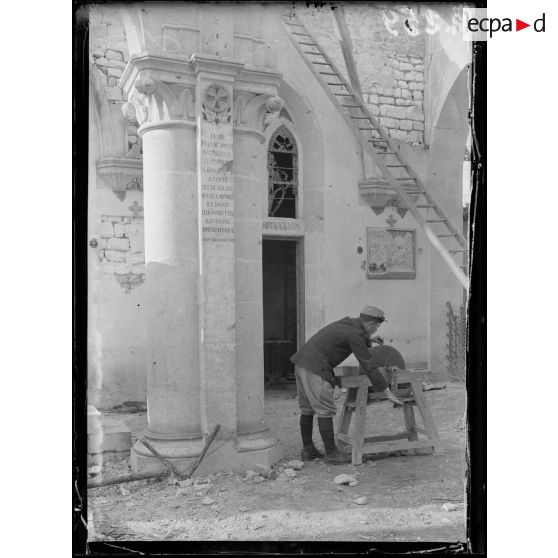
pixel 207 501
pixel 283 478
pixel 172 481
pixel 344 479
pixel 243 509
pixel 295 464
pixel 372 463
pixel 446 520
pixel 449 507
pixel 299 481
pixel 186 483
pixel 353 483
pixel 249 475
pixel 291 473
pixel 123 491
pixel 266 472
pixel 362 501
pixel 257 479
pixel 94 470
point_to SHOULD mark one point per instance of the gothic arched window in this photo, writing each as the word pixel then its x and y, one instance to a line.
pixel 282 170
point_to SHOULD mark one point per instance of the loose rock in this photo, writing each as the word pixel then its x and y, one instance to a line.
pixel 362 501
pixel 186 483
pixel 295 464
pixel 208 501
pixel 172 481
pixel 283 478
pixel 266 472
pixel 449 507
pixel 94 469
pixel 249 474
pixel 257 479
pixel 290 473
pixel 353 483
pixel 123 491
pixel 344 479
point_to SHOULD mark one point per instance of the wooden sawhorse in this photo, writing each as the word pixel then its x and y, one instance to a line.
pixel 408 390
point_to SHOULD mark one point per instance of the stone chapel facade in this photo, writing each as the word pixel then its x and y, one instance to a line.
pixel 232 211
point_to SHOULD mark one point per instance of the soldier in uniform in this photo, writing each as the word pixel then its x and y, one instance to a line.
pixel 315 380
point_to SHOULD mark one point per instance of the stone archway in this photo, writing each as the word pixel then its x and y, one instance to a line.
pixel 445 177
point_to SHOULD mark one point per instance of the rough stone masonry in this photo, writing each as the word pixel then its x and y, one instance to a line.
pixel 393 80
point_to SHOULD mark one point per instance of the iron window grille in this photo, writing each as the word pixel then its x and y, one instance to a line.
pixel 282 166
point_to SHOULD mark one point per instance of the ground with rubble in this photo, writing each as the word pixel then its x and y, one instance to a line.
pixel 395 498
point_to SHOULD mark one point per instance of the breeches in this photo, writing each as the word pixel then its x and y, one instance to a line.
pixel 315 395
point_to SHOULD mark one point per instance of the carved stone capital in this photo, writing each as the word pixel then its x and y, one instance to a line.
pixel 255 111
pixel 156 101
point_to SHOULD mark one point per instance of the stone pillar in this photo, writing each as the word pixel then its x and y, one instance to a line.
pixel 250 181
pixel 214 94
pixel 172 273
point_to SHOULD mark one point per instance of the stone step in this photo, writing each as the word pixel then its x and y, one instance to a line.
pixel 107 438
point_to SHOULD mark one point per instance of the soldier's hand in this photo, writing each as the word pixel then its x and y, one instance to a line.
pixel 377 339
pixel 396 402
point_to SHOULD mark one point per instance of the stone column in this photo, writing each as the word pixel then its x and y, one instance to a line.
pixel 250 186
pixel 172 273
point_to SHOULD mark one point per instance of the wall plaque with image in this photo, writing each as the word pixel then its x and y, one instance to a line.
pixel 391 253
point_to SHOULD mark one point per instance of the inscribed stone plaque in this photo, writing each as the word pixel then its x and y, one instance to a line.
pixel 391 253
pixel 216 158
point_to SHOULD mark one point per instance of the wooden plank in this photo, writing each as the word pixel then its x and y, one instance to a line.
pixel 409 416
pixel 398 446
pixel 385 438
pixel 420 430
pixel 360 424
pixel 424 411
pixel 345 438
pixel 346 415
pixel 355 381
pixel 347 48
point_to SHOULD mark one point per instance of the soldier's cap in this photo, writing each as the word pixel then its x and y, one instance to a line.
pixel 370 313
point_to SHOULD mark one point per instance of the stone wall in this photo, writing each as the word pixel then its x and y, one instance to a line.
pixel 108 53
pixel 390 66
pixel 120 248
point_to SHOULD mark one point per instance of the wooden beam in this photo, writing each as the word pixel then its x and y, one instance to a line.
pixel 347 48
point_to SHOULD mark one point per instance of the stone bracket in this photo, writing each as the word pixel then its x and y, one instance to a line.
pixel 121 174
pixel 379 194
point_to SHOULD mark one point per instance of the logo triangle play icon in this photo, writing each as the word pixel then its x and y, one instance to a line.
pixel 519 25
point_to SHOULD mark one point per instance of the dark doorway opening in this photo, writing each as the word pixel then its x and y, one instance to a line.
pixel 281 304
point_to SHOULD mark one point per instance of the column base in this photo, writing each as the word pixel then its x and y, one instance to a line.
pixel 235 455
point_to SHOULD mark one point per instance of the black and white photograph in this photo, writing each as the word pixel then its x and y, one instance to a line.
pixel 278 221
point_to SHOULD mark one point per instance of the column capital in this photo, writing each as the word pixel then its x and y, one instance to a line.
pixel 159 88
pixel 255 111
pixel 154 101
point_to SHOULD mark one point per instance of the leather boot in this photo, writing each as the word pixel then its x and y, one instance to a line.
pixel 333 455
pixel 309 451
